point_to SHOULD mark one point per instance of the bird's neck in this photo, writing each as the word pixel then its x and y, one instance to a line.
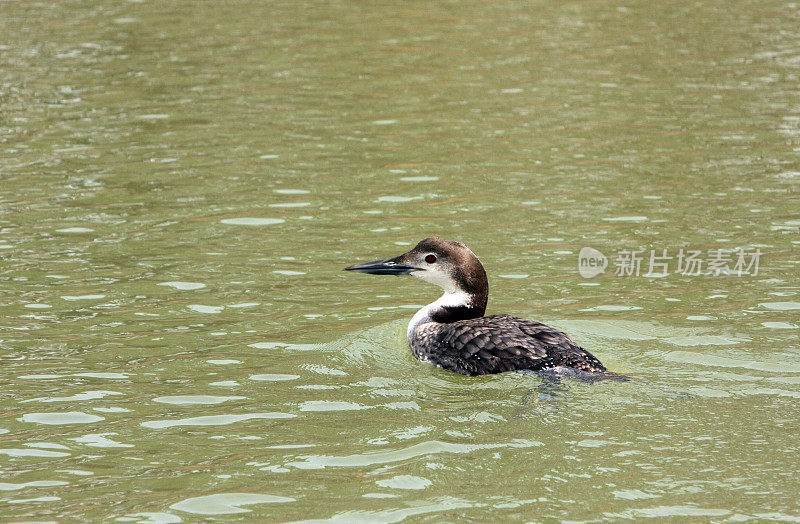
pixel 450 307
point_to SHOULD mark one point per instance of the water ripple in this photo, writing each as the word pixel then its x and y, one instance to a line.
pixel 186 400
pixel 226 503
pixel 59 419
pixel 704 359
pixel 7 486
pixel 18 452
pixel 431 447
pixel 213 420
pixel 389 516
pixel 99 440
pixel 86 395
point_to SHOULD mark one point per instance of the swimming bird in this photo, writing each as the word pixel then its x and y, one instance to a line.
pixel 453 332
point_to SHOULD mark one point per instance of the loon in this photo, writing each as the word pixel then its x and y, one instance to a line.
pixel 453 332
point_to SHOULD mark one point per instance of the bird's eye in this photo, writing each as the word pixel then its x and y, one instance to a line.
pixel 430 259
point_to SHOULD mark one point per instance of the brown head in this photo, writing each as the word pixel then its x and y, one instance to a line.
pixel 448 264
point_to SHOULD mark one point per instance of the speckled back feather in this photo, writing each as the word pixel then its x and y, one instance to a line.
pixel 498 343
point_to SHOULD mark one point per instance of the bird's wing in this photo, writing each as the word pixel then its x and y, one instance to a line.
pixel 504 343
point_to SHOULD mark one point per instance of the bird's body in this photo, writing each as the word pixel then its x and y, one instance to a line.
pixel 498 343
pixel 453 332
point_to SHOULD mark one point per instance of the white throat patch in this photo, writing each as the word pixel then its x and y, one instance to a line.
pixel 424 315
pixel 438 277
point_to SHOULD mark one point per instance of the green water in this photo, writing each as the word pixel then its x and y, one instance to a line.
pixel 181 184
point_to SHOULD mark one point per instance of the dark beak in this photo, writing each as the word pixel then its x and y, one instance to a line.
pixel 390 266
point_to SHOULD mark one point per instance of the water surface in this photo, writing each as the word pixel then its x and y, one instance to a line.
pixel 182 183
